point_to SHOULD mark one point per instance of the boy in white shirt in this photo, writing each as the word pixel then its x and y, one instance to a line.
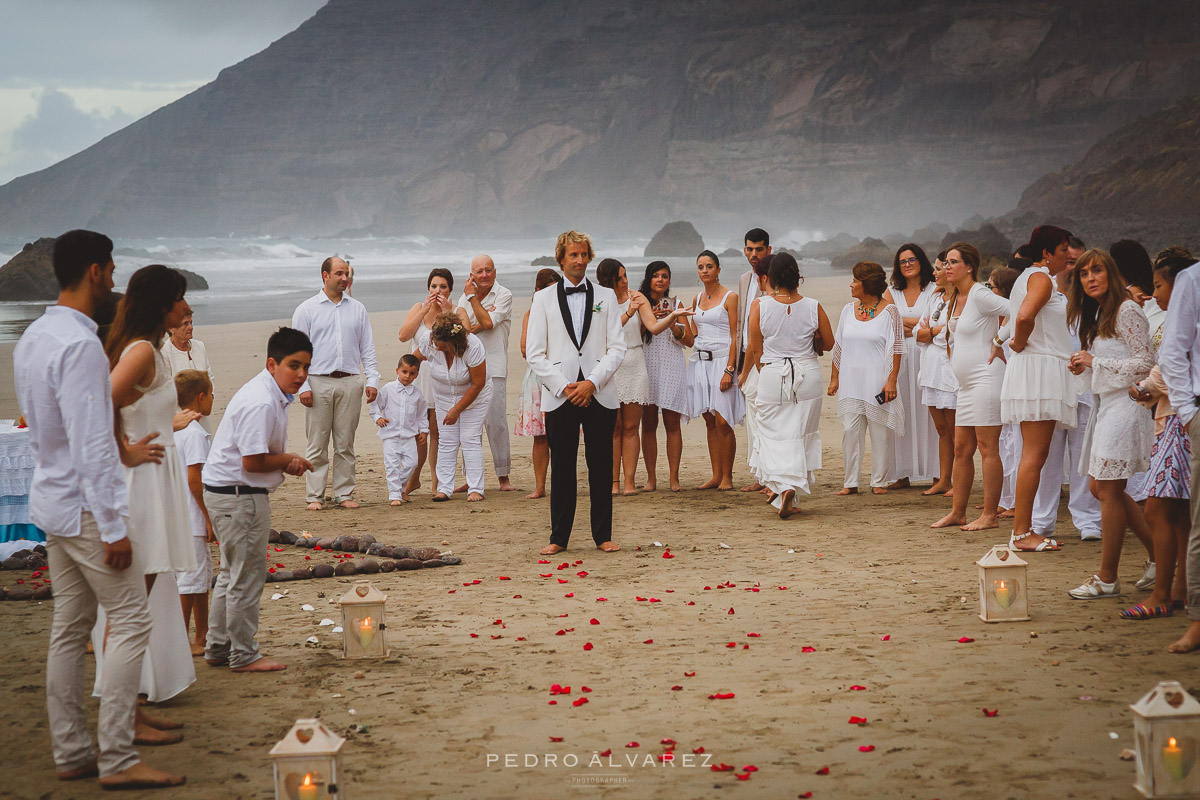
pixel 193 392
pixel 247 461
pixel 402 415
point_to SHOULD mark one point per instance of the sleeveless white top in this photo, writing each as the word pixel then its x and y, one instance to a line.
pixel 787 329
pixel 632 328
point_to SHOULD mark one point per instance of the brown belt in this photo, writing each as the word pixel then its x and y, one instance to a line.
pixel 338 374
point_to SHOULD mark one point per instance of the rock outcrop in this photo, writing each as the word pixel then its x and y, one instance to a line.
pixel 29 275
pixel 675 239
pixel 869 249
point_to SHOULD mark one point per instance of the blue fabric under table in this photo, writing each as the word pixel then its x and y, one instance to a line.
pixel 25 530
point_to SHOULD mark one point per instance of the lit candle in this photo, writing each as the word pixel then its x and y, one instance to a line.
pixel 308 789
pixel 366 633
pixel 1172 758
pixel 1003 594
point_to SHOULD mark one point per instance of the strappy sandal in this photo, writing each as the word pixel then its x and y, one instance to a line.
pixel 1048 545
pixel 1140 611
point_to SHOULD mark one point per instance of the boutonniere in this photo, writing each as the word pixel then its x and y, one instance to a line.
pixel 596 309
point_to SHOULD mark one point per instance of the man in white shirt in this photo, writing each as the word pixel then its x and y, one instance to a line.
pixel 78 498
pixel 489 311
pixel 343 364
pixel 1179 360
pixel 757 249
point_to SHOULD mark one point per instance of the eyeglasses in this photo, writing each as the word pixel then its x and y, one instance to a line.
pixel 908 262
pixel 990 285
pixel 954 262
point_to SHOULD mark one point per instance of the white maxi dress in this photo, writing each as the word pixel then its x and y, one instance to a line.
pixel 914 453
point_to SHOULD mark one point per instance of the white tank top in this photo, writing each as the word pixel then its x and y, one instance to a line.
pixel 787 329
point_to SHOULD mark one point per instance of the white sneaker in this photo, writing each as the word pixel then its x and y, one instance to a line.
pixel 1090 536
pixel 1149 576
pixel 1094 588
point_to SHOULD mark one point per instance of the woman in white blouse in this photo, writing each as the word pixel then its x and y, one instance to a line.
pixel 183 352
pixel 939 387
pixel 457 366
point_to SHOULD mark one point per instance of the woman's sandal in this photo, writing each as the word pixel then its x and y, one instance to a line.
pixel 1140 611
pixel 1047 545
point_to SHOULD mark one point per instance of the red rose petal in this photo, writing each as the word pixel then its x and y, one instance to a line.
pixel 497 637
pixel 732 644
pixel 721 696
pixel 562 580
pixel 745 647
pixel 580 561
pixel 857 688
pixel 547 575
pixel 279 566
pixel 676 688
pixel 689 674
pixel 560 616
pixel 745 776
pixel 866 748
pixel 639 599
pixel 722 767
pixel 655 600
pixel 593 621
pixel 474 635
pixel 556 738
pixel 886 637
pixel 543 561
pixel 476 582
pixel 606 753
pixel 707 588
pixel 552 703
pixel 452 591
pixel 804 796
pixel 505 578
pixel 991 713
pixel 601 599
pixel 580 701
pixel 698 750
pixel 754 635
pixel 516 597
pixel 569 594
pixel 781 588
pixel 498 622
pixel 965 640
pixel 584 689
pixel 666 741
pixel 520 638
pixel 278 549
pixel 750 768
pixel 823 771
pixel 581 574
pixel 667 756
pixel 316 547
pixel 308 558
pixel 560 632
pixel 668 554
pixel 731 609
pixel 690 603
pixel 808 649
pixel 272 569
pixel 648 641
pixel 633 744
pixel 858 720
pixel 587 646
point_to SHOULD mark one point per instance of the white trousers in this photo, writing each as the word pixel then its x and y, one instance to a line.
pixel 1085 510
pixel 465 434
pixel 750 393
pixel 399 461
pixel 337 406
pixel 496 426
pixel 854 434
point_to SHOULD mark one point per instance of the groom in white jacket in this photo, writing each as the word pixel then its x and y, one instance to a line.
pixel 574 345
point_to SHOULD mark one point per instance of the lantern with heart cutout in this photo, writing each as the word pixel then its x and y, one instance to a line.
pixel 1166 734
pixel 308 763
pixel 1003 593
pixel 363 626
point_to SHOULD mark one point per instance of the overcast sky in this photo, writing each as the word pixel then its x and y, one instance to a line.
pixel 74 71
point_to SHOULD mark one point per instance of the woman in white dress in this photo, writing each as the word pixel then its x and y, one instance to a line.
pixel 939 387
pixel 159 527
pixel 420 319
pixel 915 454
pixel 632 379
pixel 183 352
pixel 712 392
pixel 457 367
pixel 974 319
pixel 668 370
pixel 1039 392
pixel 868 349
pixel 787 333
pixel 1115 338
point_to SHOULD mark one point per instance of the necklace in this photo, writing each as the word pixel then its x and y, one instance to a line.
pixel 869 312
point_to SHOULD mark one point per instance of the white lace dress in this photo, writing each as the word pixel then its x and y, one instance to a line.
pixel 667 368
pixel 1119 433
pixel 915 453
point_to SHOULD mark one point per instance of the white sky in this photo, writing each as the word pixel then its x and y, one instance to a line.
pixel 74 71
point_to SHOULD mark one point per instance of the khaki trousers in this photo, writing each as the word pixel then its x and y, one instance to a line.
pixel 1193 550
pixel 82 582
pixel 241 524
pixel 337 407
pixel 496 427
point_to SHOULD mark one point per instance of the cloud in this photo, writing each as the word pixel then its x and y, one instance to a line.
pixel 58 128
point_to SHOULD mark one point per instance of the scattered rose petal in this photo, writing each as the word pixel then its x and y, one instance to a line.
pixel 278 549
pixel 560 632
pixel 272 569
pixel 581 574
pixel 750 768
pixel 965 640
pixel 556 738
pixel 316 547
pixel 562 580
pixel 607 752
pixel 580 561
pixel 557 689
pixel 552 703
pixel 308 558
pixel 808 649
pixel 781 588
pixel 861 720
pixel 452 591
pixel 520 638
pixel 560 616
pixel 498 622
pixel 885 638
pixel 569 594
pixel 547 575
pixel 866 748
pixel 667 554
pixel 655 600
pixel 505 578
pixel 721 696
pixel 754 635
pixel 632 744
pixel 593 621
pixel 587 646
pixel 689 674
pixel 648 641
pixel 667 756
pixel 991 713
pixel 857 688
pixel 698 750
pixel 639 599
pixel 804 796
pixel 584 689
pixel 745 776
pixel 823 771
pixel 516 597
pixel 498 636
pixel 474 635
pixel 707 588
pixel 722 767
pixel 690 603
pixel 676 688
pixel 745 647
pixel 666 741
pixel 732 644
pixel 580 701
pixel 731 609
pixel 475 582
pixel 543 561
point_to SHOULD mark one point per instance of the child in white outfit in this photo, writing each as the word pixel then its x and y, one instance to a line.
pixel 402 415
pixel 194 393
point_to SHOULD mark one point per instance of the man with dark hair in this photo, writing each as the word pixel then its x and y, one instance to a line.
pixel 78 498
pixel 757 250
pixel 343 369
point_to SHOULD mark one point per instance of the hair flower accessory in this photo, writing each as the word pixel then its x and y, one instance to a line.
pixel 457 329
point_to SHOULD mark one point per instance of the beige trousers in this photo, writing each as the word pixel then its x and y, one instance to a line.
pixel 82 582
pixel 337 407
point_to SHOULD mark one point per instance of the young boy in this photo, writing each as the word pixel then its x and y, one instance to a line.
pixel 247 461
pixel 402 415
pixel 193 392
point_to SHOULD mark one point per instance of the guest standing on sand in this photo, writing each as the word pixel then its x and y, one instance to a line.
pixel 939 387
pixel 183 352
pixel 668 369
pixel 915 455
pixel 343 368
pixel 78 498
pixel 756 247
pixel 575 345
pixel 531 420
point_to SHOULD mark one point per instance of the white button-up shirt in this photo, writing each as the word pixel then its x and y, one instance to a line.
pixel 577 304
pixel 498 303
pixel 255 422
pixel 1179 353
pixel 341 337
pixel 66 395
pixel 405 409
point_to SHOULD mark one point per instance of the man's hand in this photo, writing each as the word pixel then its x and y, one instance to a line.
pixel 306 399
pixel 118 555
pixel 469 288
pixel 297 466
pixel 183 418
pixel 210 535
pixel 372 393
pixel 142 452
pixel 580 393
pixel 421 438
pixel 383 421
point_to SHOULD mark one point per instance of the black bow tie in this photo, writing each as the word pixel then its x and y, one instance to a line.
pixel 570 290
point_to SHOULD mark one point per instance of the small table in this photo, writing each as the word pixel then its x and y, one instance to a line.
pixel 16 476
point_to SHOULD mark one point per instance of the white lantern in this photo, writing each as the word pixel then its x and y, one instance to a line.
pixel 308 763
pixel 1166 735
pixel 363 626
pixel 1002 589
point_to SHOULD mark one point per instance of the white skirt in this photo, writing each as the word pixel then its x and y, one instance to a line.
pixel 632 379
pixel 198 580
pixel 704 392
pixel 936 398
pixel 1039 388
pixel 788 412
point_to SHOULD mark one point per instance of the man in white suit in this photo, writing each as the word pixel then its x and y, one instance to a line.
pixel 574 345
pixel 757 249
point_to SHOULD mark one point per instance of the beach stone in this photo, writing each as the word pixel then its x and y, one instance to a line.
pixel 36 561
pixel 452 561
pixel 20 594
pixel 408 563
pixel 43 593
pixel 387 566
pixel 40 549
pixel 345 568
pixel 325 543
pixel 287 537
pixel 23 554
pixel 323 571
pixel 426 553
pixel 375 549
pixel 302 574
pixel 349 544
pixel 433 562
pixel 368 566
pixel 12 562
pixel 365 542
pixel 273 536
pixel 306 541
pixel 282 575
pixel 402 552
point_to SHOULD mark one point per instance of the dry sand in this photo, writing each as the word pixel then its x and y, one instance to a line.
pixel 880 598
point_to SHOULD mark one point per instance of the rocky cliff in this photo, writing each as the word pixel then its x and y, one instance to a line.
pixel 29 275
pixel 454 117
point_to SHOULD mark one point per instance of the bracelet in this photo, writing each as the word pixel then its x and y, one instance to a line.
pixel 996 341
pixel 730 371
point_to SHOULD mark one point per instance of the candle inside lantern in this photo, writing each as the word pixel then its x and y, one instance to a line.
pixel 308 789
pixel 1172 758
pixel 1003 594
pixel 366 632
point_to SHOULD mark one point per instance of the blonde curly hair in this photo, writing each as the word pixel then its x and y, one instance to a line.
pixel 448 327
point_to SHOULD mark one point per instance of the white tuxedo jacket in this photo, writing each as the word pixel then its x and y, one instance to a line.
pixel 557 359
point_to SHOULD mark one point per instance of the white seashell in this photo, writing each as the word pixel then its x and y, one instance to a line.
pixel 791 551
pixel 658 544
pixel 724 546
pixel 311 640
pixel 276 596
pixel 307 607
pixel 326 621
pixel 336 629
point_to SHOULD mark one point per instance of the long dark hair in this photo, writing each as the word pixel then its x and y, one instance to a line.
pixel 1134 264
pixel 151 293
pixel 1095 319
pixel 926 276
pixel 607 273
pixel 651 268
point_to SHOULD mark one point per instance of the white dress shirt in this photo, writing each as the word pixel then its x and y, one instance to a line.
pixel 1179 353
pixel 192 445
pixel 498 303
pixel 577 304
pixel 255 422
pixel 405 409
pixel 341 337
pixel 66 395
pixel 451 381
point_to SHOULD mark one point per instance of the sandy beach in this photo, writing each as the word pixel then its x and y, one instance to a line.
pixel 785 616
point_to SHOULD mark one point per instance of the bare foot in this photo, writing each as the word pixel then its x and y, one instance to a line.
pixel 847 491
pixel 629 491
pixel 217 662
pixel 90 770
pixel 404 497
pixel 785 507
pixel 764 490
pixel 675 487
pixel 397 502
pixel 878 490
pixel 141 776
pixel 948 493
pixel 616 488
pixel 725 486
pixel 1006 513
pixel 461 489
pixel 347 503
pixel 1189 641
pixel 984 522
pixel 550 550
pixel 536 494
pixel 949 521
pixel 937 488
pixel 711 483
pixel 197 649
pixel 263 664
pixel 474 497
pixel 608 547
pixel 158 723
pixel 314 506
pixel 651 486
pixel 754 487
pixel 146 736
pixel 903 483
pixel 506 485
pixel 438 497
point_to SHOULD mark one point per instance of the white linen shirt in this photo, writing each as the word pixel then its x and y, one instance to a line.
pixel 404 407
pixel 498 303
pixel 577 304
pixel 192 445
pixel 255 422
pixel 1179 353
pixel 65 393
pixel 341 337
pixel 195 358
